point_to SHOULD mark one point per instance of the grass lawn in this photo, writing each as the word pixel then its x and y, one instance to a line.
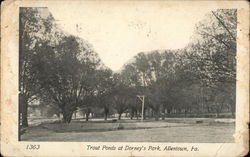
pixel 127 131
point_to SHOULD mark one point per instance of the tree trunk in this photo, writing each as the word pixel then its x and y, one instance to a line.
pixel 25 115
pixel 233 110
pixel 119 117
pixel 152 113
pixel 136 113
pixel 132 114
pixel 217 112
pixel 23 111
pixel 157 114
pixel 41 111
pixel 163 113
pixel 75 114
pixel 169 111
pixel 218 109
pixel 179 111
pixel 105 116
pixel 185 112
pixel 87 117
pixel 87 114
pixel 67 116
pixel 106 111
pixel 144 114
pixel 233 114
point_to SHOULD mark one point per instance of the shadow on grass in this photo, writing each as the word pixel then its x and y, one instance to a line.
pixel 110 125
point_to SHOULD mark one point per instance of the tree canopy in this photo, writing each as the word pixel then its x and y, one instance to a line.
pixel 65 70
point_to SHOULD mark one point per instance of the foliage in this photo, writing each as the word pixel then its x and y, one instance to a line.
pixel 65 70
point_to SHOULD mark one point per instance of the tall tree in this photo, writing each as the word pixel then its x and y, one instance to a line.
pixel 36 26
pixel 67 75
pixel 105 86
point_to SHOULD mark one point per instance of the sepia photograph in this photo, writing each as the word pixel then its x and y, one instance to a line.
pixel 72 90
pixel 134 72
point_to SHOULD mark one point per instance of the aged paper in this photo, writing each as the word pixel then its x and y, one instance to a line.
pixel 124 78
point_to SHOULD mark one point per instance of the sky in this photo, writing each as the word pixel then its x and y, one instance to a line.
pixel 118 31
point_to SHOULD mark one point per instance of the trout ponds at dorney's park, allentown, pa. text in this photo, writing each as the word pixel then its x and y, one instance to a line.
pixel 140 148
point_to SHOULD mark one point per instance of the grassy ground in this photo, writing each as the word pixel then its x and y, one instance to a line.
pixel 169 130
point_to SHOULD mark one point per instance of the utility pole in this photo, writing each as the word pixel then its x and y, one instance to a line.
pixel 142 98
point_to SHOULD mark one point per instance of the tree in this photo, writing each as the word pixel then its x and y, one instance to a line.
pixel 34 28
pixel 142 72
pixel 104 90
pixel 213 53
pixel 66 73
pixel 89 104
pixel 122 96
